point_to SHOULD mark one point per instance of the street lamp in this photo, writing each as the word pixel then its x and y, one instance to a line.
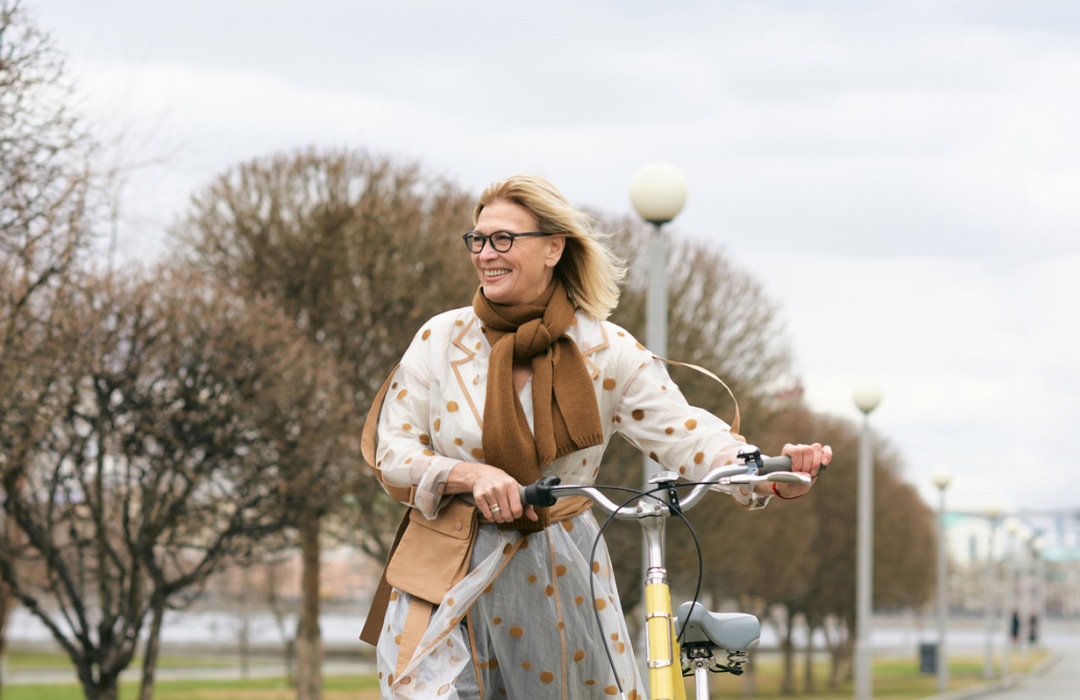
pixel 1012 529
pixel 658 194
pixel 941 480
pixel 993 516
pixel 1038 615
pixel 866 399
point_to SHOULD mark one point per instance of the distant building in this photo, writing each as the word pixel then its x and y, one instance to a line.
pixel 1044 568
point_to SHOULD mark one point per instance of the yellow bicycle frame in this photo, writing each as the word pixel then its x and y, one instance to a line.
pixel 664 664
pixel 665 668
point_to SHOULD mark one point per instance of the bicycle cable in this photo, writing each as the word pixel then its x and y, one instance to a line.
pixel 637 495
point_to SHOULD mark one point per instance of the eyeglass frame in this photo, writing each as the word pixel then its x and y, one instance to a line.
pixel 486 238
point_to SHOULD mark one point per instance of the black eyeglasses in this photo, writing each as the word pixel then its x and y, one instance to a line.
pixel 501 241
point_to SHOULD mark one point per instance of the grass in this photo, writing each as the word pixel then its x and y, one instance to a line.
pixel 893 678
pixel 336 688
pixel 19 660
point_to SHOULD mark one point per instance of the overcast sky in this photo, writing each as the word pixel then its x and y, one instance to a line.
pixel 903 176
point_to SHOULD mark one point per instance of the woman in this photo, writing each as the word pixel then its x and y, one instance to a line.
pixel 485 597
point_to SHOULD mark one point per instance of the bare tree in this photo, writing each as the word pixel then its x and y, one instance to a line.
pixel 820 529
pixel 46 190
pixel 719 318
pixel 171 450
pixel 359 251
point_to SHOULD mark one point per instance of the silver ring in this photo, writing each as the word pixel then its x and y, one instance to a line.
pixel 495 509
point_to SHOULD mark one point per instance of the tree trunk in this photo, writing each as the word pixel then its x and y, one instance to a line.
pixel 841 657
pixel 244 632
pixel 6 602
pixel 808 677
pixel 749 684
pixel 153 647
pixel 308 636
pixel 277 607
pixel 99 687
pixel 787 647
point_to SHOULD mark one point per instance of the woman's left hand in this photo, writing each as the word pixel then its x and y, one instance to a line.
pixel 805 459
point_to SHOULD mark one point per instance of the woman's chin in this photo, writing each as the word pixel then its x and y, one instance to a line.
pixel 497 293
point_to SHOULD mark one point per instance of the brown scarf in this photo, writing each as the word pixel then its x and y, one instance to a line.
pixel 565 415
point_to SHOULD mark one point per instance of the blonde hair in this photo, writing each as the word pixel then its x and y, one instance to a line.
pixel 588 267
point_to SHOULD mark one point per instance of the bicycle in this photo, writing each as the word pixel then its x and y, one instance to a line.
pixel 704 636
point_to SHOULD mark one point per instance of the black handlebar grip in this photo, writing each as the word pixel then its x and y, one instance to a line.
pixel 539 493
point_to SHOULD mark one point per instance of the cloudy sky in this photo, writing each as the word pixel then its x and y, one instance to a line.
pixel 903 176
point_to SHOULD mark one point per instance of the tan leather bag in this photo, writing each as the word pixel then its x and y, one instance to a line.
pixel 433 555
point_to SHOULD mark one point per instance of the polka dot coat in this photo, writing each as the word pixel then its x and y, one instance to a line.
pixel 528 601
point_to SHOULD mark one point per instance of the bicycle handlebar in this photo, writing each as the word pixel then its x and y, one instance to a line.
pixel 755 469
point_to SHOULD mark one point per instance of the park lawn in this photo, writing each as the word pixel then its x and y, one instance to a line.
pixel 893 678
pixel 897 677
pixel 334 688
pixel 55 661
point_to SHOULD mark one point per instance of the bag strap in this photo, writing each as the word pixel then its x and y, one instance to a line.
pixel 737 420
pixel 369 440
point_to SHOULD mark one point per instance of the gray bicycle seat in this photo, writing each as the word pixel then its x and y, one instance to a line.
pixel 729 631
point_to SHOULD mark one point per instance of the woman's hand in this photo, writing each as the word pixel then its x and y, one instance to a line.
pixel 495 492
pixel 805 459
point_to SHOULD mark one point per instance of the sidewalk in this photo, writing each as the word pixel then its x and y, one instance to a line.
pixel 1057 678
pixel 1060 680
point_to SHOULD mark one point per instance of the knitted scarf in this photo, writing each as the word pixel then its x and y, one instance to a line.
pixel 565 415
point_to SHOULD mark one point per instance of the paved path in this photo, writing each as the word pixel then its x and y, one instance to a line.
pixel 1060 681
pixel 1058 678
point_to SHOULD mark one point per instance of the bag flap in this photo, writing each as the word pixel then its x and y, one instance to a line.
pixel 456 519
pixel 433 555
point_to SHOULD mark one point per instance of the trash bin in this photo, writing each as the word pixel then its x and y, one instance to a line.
pixel 928 657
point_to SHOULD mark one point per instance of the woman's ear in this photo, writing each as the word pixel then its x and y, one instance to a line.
pixel 556 248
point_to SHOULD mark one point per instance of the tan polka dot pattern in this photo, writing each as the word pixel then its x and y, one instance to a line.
pixel 526 615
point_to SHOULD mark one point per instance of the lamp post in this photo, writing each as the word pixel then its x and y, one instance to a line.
pixel 1011 604
pixel 1038 614
pixel 1027 589
pixel 866 399
pixel 658 194
pixel 993 516
pixel 941 480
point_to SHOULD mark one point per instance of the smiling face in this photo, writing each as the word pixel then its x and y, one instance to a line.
pixel 522 273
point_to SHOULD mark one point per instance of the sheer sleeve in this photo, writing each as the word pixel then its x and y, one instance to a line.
pixel 405 454
pixel 654 416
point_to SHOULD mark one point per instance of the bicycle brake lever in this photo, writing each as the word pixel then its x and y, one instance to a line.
pixel 771 477
pixel 789 478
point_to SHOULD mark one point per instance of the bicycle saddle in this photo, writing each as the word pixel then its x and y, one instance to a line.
pixel 729 631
